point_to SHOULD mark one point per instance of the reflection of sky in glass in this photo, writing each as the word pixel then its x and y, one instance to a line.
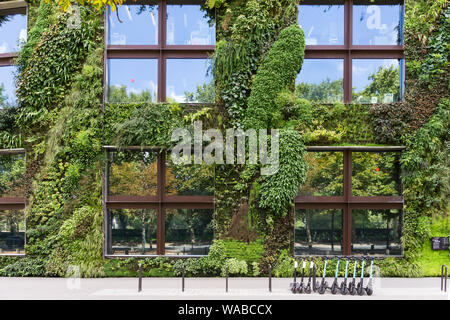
pixel 12 32
pixel 183 75
pixel 363 68
pixel 136 28
pixel 322 24
pixel 136 75
pixel 376 24
pixel 8 83
pixel 186 25
pixel 314 71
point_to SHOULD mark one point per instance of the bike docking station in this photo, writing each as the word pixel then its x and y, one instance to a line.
pixel 353 286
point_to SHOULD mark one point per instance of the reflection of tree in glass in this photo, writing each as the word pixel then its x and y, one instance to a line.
pixel 140 219
pixel 385 81
pixel 4 19
pixel 133 173
pixel 11 221
pixel 190 179
pixel 203 94
pixel 325 174
pixel 119 94
pixel 12 171
pixel 375 174
pixel 189 226
pixel 327 91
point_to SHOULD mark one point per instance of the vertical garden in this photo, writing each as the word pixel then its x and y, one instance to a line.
pixel 67 112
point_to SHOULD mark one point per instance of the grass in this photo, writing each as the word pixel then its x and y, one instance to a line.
pixel 431 260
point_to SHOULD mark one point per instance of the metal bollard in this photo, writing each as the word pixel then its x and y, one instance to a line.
pixel 140 278
pixel 226 281
pixel 444 276
pixel 295 270
pixel 270 278
pixel 182 278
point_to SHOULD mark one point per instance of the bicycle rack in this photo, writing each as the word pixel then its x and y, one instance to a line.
pixel 444 278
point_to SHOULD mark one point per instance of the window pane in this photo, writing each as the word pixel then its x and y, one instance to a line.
pixel 189 231
pixel 377 24
pixel 133 173
pixel 322 24
pixel 376 232
pixel 192 180
pixel 376 174
pixel 187 25
pixel 132 80
pixel 12 175
pixel 12 232
pixel 321 80
pixel 133 231
pixel 7 86
pixel 318 232
pixel 138 25
pixel 13 32
pixel 376 80
pixel 325 174
pixel 189 80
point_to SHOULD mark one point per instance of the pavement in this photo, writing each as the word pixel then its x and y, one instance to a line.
pixel 205 289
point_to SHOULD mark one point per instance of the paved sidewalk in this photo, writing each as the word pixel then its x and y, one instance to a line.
pixel 204 289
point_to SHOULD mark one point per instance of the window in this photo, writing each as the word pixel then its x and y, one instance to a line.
pixel 13 35
pixel 154 207
pixel 159 52
pixel 354 51
pixel 351 202
pixel 12 201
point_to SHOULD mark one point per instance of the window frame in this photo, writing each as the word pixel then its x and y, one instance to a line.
pixel 160 203
pixel 348 51
pixel 10 8
pixel 14 203
pixel 347 202
pixel 161 51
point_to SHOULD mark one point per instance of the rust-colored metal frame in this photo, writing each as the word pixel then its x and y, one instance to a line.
pixel 347 202
pixel 9 8
pixel 348 51
pixel 160 203
pixel 161 51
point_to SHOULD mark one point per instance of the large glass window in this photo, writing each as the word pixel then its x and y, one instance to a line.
pixel 13 32
pixel 189 231
pixel 154 207
pixel 375 24
pixel 321 80
pixel 13 35
pixel 189 180
pixel 160 52
pixel 377 232
pixel 132 80
pixel 189 80
pixel 133 173
pixel 322 24
pixel 325 174
pixel 361 48
pixel 133 25
pixel 376 80
pixel 7 86
pixel 133 231
pixel 351 202
pixel 12 232
pixel 12 201
pixel 186 25
pixel 318 232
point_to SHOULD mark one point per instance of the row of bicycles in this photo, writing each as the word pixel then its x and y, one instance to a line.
pixel 350 286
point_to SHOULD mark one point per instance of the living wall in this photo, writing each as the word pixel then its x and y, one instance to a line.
pixel 62 123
